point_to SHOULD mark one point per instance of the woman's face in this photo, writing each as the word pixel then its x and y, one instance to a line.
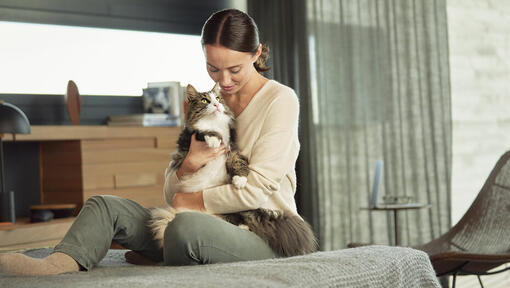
pixel 232 69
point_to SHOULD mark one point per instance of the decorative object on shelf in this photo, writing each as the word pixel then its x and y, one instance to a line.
pixel 12 121
pixel 47 212
pixel 164 97
pixel 37 216
pixel 57 210
pixel 73 102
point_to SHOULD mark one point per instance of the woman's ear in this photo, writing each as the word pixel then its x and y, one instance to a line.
pixel 257 54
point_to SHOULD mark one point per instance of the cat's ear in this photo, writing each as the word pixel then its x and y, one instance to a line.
pixel 191 92
pixel 216 88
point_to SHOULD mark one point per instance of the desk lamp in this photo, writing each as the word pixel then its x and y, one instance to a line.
pixel 12 121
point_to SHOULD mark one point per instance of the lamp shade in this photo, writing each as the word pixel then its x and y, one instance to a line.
pixel 13 120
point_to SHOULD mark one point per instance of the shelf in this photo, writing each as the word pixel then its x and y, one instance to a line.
pixel 77 162
pixel 69 132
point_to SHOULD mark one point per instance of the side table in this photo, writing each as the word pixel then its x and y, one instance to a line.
pixel 395 208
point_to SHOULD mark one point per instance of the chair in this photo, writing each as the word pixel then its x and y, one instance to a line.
pixel 480 241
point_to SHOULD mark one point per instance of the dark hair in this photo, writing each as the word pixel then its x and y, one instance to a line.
pixel 235 30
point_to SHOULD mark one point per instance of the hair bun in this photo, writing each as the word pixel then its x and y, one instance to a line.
pixel 260 64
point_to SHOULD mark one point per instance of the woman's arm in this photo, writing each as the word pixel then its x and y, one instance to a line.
pixel 194 201
pixel 273 155
pixel 198 155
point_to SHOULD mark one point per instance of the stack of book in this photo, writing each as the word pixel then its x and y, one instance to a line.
pixel 146 119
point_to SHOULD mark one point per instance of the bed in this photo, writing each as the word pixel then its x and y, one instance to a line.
pixel 368 266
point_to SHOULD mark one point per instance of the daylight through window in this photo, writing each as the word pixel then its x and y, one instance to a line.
pixel 40 59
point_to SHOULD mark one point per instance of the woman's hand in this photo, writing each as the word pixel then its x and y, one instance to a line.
pixel 198 155
pixel 194 201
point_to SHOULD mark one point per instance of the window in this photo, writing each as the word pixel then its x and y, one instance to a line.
pixel 40 59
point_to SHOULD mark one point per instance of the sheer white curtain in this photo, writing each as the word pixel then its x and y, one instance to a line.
pixel 373 79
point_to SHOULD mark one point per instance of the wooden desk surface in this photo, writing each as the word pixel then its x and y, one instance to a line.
pixel 69 132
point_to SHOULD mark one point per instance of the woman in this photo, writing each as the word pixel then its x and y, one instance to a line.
pixel 267 123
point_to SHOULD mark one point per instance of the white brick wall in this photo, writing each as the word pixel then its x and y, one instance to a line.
pixel 479 40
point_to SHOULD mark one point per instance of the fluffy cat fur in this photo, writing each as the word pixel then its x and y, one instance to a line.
pixel 212 121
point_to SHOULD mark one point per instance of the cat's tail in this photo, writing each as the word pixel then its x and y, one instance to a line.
pixel 287 234
pixel 160 217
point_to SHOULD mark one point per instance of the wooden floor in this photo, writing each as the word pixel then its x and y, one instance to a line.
pixel 25 235
pixel 501 280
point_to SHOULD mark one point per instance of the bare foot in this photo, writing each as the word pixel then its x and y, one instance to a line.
pixel 137 259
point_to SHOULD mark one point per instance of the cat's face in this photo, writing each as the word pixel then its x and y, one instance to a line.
pixel 202 104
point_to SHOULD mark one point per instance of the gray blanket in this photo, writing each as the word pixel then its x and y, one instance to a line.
pixel 370 266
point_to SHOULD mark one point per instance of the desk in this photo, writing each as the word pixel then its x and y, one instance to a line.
pixel 77 162
pixel 395 208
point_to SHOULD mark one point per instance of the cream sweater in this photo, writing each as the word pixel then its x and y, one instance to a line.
pixel 267 133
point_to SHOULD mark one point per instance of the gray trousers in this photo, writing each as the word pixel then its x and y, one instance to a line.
pixel 191 238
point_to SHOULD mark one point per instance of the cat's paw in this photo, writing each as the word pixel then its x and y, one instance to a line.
pixel 212 141
pixel 239 181
pixel 244 227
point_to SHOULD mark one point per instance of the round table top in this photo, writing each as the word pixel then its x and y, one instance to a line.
pixel 399 206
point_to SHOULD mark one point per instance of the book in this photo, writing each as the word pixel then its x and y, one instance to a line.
pixel 137 117
pixel 168 123
pixel 146 119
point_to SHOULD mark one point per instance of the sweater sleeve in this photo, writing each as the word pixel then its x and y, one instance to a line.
pixel 273 155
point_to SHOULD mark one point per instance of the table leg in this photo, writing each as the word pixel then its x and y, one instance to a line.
pixel 395 224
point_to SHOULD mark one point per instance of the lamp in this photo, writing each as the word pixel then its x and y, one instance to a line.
pixel 12 121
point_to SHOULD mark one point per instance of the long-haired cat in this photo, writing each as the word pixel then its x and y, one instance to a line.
pixel 207 116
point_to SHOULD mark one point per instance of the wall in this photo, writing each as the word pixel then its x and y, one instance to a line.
pixel 174 16
pixel 479 40
pixel 22 159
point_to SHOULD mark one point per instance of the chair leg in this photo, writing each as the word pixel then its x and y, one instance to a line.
pixel 454 278
pixel 444 281
pixel 480 280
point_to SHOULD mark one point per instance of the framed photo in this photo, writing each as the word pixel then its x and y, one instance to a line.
pixel 156 100
pixel 164 97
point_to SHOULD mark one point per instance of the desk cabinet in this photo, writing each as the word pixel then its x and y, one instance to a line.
pixel 77 162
